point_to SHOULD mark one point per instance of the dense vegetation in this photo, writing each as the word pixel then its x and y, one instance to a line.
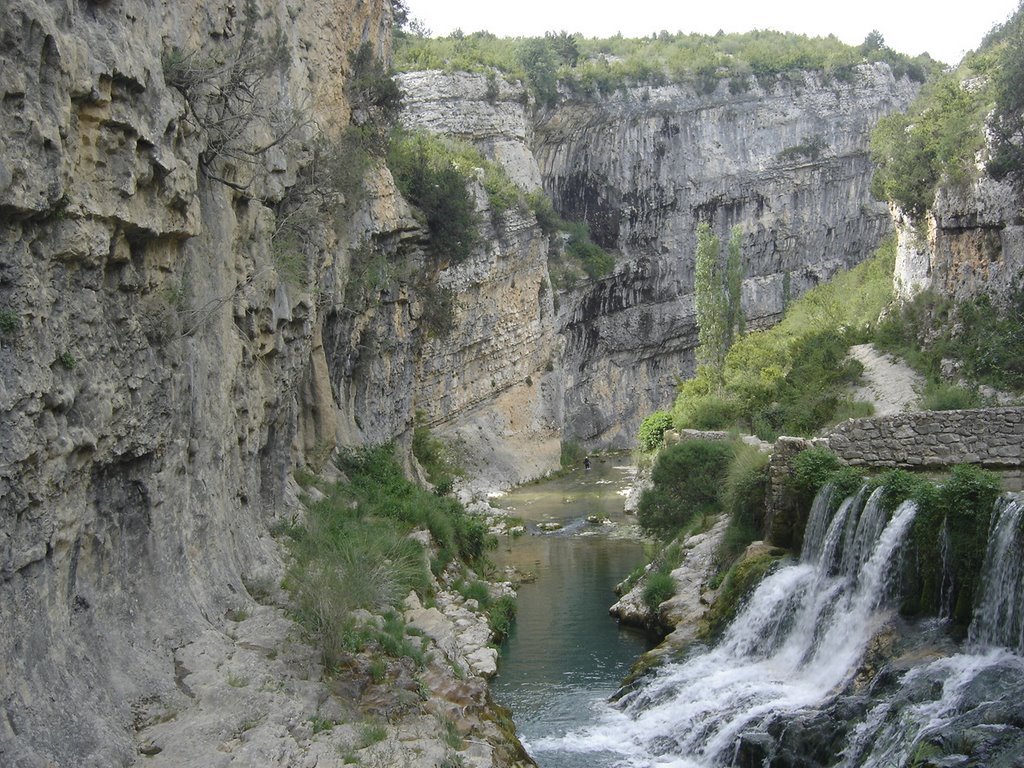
pixel 686 480
pixel 600 66
pixel 692 483
pixel 354 550
pixel 986 342
pixel 940 138
pixel 791 378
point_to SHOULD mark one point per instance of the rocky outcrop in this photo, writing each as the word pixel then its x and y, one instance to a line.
pixel 786 161
pixel 971 243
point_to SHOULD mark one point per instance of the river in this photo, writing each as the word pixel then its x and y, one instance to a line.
pixel 565 655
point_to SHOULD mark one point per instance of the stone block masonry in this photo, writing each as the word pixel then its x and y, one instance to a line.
pixel 988 437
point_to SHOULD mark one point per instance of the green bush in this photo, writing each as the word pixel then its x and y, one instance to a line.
pixel 811 470
pixel 660 587
pixel 427 171
pixel 713 412
pixel 652 430
pixel 743 496
pixel 686 479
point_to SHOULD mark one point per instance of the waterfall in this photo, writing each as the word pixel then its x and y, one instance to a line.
pixel 954 694
pixel 796 642
pixel 999 615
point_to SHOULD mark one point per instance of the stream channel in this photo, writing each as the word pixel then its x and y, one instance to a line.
pixel 565 655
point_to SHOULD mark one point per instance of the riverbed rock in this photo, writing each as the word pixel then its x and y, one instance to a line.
pixel 681 613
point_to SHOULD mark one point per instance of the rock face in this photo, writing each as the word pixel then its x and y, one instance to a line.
pixel 170 349
pixel 786 160
pixel 970 243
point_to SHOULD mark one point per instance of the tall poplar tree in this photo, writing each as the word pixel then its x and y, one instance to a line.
pixel 717 293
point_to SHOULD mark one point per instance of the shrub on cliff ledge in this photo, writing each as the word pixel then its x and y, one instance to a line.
pixel 652 430
pixel 427 171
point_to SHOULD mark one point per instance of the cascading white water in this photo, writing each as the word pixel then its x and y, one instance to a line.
pixel 990 677
pixel 999 616
pixel 797 641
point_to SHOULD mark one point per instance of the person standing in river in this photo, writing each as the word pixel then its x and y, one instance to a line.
pixel 586 463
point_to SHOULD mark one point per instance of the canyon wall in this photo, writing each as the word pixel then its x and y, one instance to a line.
pixel 786 160
pixel 190 308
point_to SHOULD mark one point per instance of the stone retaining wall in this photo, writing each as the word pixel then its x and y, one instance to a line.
pixel 988 437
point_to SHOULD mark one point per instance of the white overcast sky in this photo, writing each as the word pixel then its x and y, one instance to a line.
pixel 942 28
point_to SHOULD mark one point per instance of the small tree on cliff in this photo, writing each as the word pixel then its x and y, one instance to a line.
pixel 717 294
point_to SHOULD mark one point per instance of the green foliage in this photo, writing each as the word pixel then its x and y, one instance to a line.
pixel 743 496
pixel 434 456
pixel 652 429
pixel 589 67
pixel 354 551
pixel 710 301
pixel 595 260
pixel 660 586
pixel 67 360
pixel 938 139
pixel 9 321
pixel 959 511
pixel 372 733
pixel 1007 122
pixel 686 479
pixel 432 173
pixel 537 58
pixel 811 148
pixel 500 614
pixel 371 88
pixel 935 141
pixel 811 470
pixel 948 397
pixel 792 377
pixel 572 454
pixel 986 339
pixel 538 202
pixel 438 305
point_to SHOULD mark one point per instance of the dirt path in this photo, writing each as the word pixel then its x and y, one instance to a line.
pixel 889 383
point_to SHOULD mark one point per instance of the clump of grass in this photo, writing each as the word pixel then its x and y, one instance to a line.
pixel 372 733
pixel 500 615
pixel 434 456
pixel 660 587
pixel 355 552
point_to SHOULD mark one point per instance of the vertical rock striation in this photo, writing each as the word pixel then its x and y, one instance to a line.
pixel 786 160
pixel 152 350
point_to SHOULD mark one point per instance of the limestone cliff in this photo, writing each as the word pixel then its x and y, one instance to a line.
pixel 185 317
pixel 786 160
pixel 970 243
